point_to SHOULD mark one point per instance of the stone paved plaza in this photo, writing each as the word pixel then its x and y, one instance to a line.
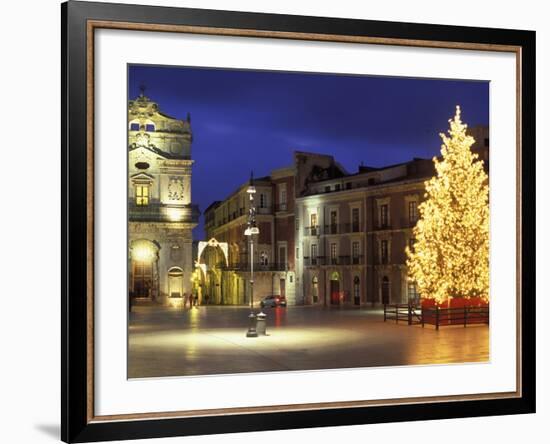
pixel 212 340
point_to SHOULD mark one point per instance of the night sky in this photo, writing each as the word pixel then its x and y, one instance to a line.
pixel 253 120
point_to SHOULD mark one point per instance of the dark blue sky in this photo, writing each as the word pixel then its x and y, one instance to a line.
pixel 253 120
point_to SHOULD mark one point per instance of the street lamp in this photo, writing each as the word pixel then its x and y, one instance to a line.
pixel 250 231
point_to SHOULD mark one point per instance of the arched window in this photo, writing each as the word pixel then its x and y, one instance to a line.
pixel 315 289
pixel 150 127
pixel 175 271
pixel 175 282
pixel 144 256
pixel 335 294
pixel 134 126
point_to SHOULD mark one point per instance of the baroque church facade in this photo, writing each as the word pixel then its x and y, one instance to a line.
pixel 161 215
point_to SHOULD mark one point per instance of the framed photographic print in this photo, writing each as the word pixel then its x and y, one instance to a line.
pixel 276 221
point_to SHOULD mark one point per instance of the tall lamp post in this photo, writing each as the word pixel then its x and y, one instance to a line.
pixel 250 231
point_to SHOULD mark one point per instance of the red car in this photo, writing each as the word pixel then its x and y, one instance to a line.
pixel 273 301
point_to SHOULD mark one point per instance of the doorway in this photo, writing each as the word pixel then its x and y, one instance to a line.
pixel 143 279
pixel 385 290
pixel 335 289
pixel 315 289
pixel 175 282
pixel 144 269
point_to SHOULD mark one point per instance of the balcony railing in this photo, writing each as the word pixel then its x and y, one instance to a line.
pixel 408 222
pixel 157 212
pixel 264 210
pixel 338 260
pixel 315 260
pixel 383 260
pixel 332 229
pixel 245 266
pixel 357 260
pixel 354 227
pixel 312 231
pixel 350 260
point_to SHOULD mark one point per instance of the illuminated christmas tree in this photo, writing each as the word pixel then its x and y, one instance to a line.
pixel 450 257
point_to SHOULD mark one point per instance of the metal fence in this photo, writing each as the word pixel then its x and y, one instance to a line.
pixel 436 316
pixel 440 317
pixel 409 313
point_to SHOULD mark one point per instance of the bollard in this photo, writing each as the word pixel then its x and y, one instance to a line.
pixel 261 324
pixel 252 332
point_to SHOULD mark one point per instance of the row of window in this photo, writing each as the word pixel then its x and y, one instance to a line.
pixel 264 257
pixel 261 203
pixel 227 213
pixel 412 293
pixel 383 217
pixel 348 186
pixel 355 252
pixel 149 127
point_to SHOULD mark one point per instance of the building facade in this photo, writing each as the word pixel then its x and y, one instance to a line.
pixel 354 232
pixel 226 222
pixel 161 215
pixel 327 237
pixel 353 229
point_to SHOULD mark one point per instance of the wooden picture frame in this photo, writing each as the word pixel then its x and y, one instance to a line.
pixel 79 22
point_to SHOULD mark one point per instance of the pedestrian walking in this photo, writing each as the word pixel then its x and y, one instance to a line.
pixel 184 300
pixel 196 298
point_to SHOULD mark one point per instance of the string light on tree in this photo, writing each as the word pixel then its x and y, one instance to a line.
pixel 450 257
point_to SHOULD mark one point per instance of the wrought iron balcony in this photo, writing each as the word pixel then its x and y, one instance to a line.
pixel 354 227
pixel 157 212
pixel 350 260
pixel 258 266
pixel 315 260
pixel 312 231
pixel 383 260
pixel 408 222
pixel 264 210
pixel 357 260
pixel 382 226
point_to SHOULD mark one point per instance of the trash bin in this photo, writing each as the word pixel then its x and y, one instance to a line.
pixel 261 324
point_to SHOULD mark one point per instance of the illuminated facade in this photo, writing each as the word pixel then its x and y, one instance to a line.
pixel 226 221
pixel 353 233
pixel 327 237
pixel 353 230
pixel 160 212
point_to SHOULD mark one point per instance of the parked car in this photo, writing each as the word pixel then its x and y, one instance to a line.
pixel 273 301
